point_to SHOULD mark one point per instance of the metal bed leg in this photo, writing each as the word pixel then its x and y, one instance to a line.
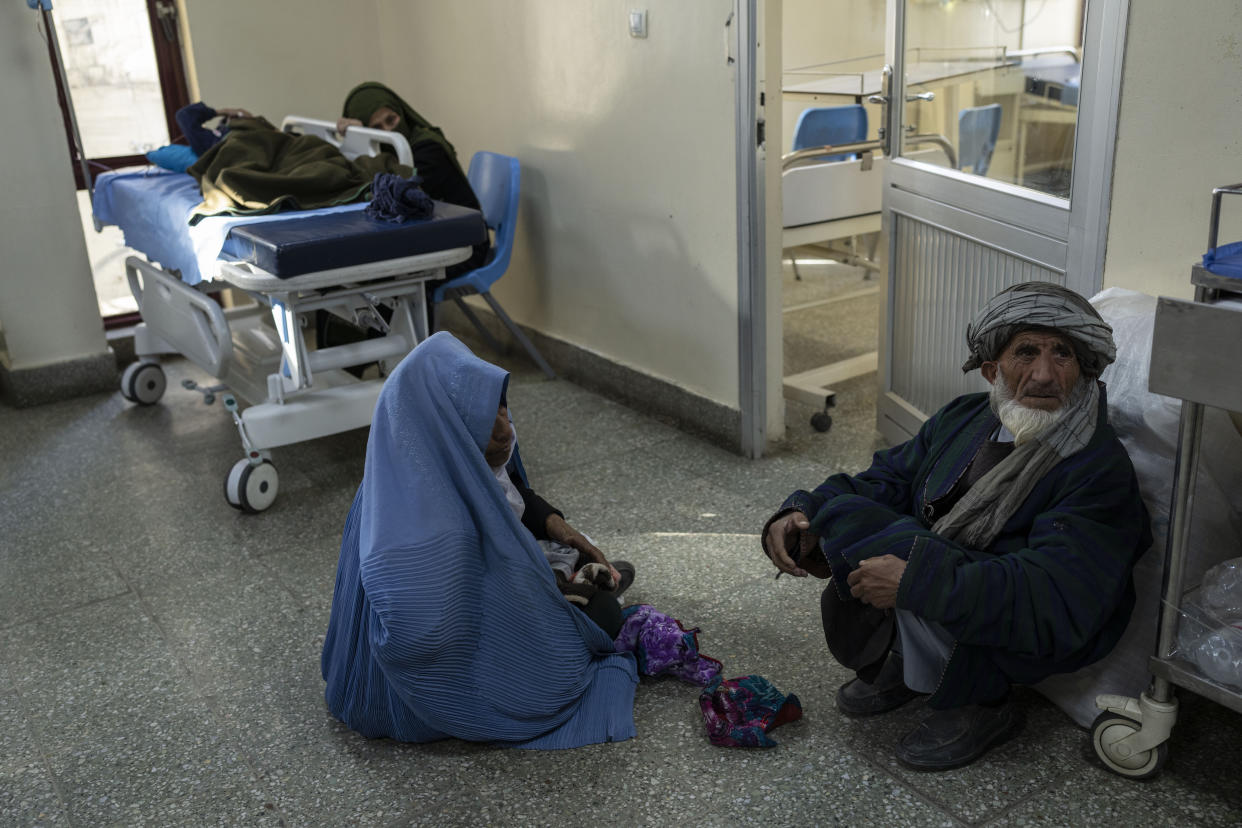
pixel 521 337
pixel 1185 472
pixel 871 248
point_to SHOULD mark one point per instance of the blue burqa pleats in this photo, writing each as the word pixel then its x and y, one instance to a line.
pixel 446 620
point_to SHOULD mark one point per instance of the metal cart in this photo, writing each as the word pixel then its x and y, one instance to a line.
pixel 1194 357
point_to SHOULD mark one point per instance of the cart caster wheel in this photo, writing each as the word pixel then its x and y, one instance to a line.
pixel 1110 728
pixel 251 488
pixel 143 383
pixel 821 421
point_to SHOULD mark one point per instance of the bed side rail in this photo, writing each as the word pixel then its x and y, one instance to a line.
pixel 356 141
pixel 186 319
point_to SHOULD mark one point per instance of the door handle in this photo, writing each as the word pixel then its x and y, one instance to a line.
pixel 922 96
pixel 884 99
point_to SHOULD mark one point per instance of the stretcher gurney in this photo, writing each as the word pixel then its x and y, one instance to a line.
pixel 292 265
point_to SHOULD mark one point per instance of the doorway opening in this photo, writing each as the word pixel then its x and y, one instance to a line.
pixel 831 270
pixel 991 92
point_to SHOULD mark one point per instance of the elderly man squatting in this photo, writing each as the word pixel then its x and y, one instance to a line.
pixel 994 548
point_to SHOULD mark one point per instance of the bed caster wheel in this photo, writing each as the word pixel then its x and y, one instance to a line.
pixel 143 383
pixel 1110 728
pixel 821 421
pixel 251 488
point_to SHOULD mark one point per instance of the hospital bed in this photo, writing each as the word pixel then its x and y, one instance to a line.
pixel 823 203
pixel 291 265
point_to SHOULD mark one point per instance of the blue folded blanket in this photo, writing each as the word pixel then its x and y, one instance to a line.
pixel 398 199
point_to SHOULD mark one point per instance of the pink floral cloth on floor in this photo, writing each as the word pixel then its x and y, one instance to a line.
pixel 737 712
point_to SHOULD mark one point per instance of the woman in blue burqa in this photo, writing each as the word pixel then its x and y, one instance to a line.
pixel 447 619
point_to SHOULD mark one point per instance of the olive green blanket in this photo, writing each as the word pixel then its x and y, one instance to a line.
pixel 256 169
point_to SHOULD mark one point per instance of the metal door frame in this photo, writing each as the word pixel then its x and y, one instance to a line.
pixel 751 242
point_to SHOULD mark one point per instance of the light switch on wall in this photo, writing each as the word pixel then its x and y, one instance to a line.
pixel 638 22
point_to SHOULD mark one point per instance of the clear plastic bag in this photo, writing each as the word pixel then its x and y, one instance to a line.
pixel 1209 634
pixel 1221 592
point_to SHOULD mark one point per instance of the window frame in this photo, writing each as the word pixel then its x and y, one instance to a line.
pixel 162 17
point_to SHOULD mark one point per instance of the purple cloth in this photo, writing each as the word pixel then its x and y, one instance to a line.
pixel 662 646
pixel 398 199
pixel 739 712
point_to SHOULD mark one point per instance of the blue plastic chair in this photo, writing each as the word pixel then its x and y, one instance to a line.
pixel 826 125
pixel 977 129
pixel 496 180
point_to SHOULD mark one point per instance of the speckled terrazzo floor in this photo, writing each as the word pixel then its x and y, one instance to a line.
pixel 159 650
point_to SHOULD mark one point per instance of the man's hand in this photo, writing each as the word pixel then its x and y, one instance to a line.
pixel 785 535
pixel 876 580
pixel 561 532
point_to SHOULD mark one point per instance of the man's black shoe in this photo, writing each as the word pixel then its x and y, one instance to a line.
pixel 858 698
pixel 952 738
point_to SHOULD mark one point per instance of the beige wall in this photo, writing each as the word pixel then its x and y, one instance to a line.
pixel 1179 135
pixel 281 57
pixel 822 31
pixel 48 309
pixel 626 236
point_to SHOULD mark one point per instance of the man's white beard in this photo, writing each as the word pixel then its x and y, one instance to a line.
pixel 1024 422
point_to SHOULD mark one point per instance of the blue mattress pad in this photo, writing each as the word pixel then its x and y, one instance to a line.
pixel 325 242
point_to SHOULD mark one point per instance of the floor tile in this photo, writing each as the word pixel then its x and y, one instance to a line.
pixel 821 335
pixel 27 793
pixel 126 735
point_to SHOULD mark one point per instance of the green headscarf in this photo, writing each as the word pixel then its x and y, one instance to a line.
pixel 365 98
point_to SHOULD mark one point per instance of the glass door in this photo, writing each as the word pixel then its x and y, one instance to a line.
pixel 999 80
pixel 999 120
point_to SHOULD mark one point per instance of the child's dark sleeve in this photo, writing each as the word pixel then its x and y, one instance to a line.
pixel 535 518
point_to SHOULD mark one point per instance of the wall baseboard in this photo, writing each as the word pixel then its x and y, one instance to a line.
pixel 27 387
pixel 649 395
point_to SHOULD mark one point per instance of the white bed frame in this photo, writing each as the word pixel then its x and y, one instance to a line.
pixel 258 352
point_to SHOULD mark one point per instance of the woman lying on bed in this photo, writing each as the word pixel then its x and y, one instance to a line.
pixel 447 619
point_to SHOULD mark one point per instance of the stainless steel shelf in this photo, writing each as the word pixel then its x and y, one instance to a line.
pixel 1202 277
pixel 1184 674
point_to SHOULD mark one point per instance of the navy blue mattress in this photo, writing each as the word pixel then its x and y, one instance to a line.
pixel 324 242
